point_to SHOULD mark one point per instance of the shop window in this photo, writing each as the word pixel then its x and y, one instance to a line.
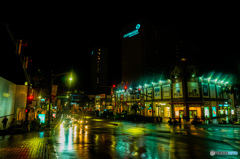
pixel 206 112
pixel 181 113
pixel 192 113
pixel 166 111
pixel 214 112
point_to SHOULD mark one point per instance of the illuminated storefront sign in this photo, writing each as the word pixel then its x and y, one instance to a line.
pixel 6 94
pixel 206 111
pixel 132 33
pixel 42 118
pixel 214 112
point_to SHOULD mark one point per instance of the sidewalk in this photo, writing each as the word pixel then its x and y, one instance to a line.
pixel 21 131
pixel 30 145
pixel 33 144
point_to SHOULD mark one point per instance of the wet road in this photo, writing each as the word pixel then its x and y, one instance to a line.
pixel 98 138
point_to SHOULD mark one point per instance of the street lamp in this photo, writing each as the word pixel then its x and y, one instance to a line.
pixel 53 77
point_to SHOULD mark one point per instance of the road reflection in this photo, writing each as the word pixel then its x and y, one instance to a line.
pixel 98 138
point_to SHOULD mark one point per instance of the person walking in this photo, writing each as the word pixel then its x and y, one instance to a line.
pixel 206 119
pixel 159 119
pixel 4 121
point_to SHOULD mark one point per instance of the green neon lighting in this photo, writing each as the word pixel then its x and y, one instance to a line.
pixel 132 33
pixel 137 26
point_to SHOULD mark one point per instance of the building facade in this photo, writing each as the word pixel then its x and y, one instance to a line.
pixel 13 100
pixel 182 97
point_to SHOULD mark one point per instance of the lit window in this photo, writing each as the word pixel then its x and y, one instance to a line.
pixel 99 53
pixel 99 49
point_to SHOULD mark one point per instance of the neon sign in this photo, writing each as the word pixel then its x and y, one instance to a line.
pixel 6 94
pixel 42 118
pixel 132 33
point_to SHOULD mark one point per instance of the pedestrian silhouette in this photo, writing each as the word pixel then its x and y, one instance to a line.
pixel 4 121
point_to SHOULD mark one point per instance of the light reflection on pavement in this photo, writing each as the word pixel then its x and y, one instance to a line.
pixel 103 139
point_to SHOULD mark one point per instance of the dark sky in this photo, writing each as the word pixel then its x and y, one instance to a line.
pixel 63 41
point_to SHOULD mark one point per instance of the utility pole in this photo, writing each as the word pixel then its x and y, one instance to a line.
pixel 18 44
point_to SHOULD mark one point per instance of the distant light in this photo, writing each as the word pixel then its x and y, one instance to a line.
pixel 92 53
pixel 183 59
pixel 70 78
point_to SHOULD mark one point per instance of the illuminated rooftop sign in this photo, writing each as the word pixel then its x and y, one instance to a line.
pixel 132 33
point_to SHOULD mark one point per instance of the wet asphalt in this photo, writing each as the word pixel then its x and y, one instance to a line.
pixel 91 137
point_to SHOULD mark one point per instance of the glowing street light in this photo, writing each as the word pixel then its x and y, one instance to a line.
pixel 70 78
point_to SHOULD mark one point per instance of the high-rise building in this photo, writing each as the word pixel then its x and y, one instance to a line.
pixel 99 70
pixel 150 50
pixel 146 50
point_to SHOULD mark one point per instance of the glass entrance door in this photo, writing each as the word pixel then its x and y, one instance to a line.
pixel 181 113
pixel 192 113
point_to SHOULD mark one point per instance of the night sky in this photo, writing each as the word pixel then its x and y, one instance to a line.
pixel 63 41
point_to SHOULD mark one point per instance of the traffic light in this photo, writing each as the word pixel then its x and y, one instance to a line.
pixel 29 99
pixel 125 88
pixel 114 86
pixel 139 90
pixel 27 110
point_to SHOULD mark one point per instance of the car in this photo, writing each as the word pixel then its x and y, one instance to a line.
pixel 67 122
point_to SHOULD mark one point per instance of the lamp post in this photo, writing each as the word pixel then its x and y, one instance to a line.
pixel 53 77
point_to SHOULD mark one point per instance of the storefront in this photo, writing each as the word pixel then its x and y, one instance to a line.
pixel 195 109
pixel 162 109
pixel 206 111
pixel 157 108
pixel 179 110
pixel 148 109
pixel 225 109
pixel 165 110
